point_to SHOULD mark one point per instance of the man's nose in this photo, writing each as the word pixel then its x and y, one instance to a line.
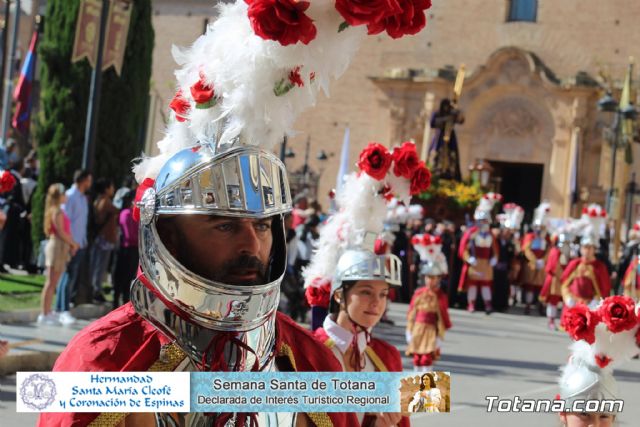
pixel 248 240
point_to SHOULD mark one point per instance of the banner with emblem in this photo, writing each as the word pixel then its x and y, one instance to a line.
pixel 85 44
pixel 116 34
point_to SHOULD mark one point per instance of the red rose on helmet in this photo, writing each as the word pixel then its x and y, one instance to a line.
pixel 281 20
pixel 410 20
pixel 7 181
pixel 375 161
pixel 405 160
pixel 580 323
pixel 421 180
pixel 180 106
pixel 602 360
pixel 318 294
pixel 618 313
pixel 359 12
pixel 201 91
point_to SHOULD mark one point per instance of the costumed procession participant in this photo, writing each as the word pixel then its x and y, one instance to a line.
pixel 479 251
pixel 428 316
pixel 211 206
pixel 535 247
pixel 510 222
pixel 360 278
pixel 428 398
pixel 629 268
pixel 586 279
pixel 605 338
pixel 559 257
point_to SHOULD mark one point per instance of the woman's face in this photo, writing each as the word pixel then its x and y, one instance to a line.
pixel 367 301
pixel 432 282
pixel 587 419
pixel 426 381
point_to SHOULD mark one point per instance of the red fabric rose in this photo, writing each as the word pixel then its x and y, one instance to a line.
pixel 147 183
pixel 318 295
pixel 201 91
pixel 281 20
pixel 405 160
pixel 421 180
pixel 410 20
pixel 375 160
pixel 180 106
pixel 7 182
pixel 580 323
pixel 618 313
pixel 359 12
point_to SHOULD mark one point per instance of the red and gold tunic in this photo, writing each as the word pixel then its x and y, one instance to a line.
pixel 583 281
pixel 551 292
pixel 534 248
pixel 122 341
pixel 483 247
pixel 427 320
pixel 631 279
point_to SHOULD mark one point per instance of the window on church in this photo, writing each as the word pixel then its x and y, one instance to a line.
pixel 523 10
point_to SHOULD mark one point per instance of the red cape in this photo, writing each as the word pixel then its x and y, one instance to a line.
pixel 388 354
pixel 600 271
pixel 550 269
pixel 464 242
pixel 124 341
pixel 443 302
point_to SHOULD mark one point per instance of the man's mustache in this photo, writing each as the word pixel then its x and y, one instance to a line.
pixel 244 263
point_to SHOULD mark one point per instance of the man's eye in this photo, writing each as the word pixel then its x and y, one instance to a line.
pixel 263 226
pixel 224 227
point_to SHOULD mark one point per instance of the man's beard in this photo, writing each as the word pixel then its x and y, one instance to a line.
pixel 240 266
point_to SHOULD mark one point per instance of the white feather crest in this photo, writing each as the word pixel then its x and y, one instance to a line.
pixel 244 70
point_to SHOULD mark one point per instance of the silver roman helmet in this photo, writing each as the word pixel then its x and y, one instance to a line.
pixel 584 381
pixel 363 264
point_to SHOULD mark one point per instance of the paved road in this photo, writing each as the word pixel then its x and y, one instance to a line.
pixel 505 355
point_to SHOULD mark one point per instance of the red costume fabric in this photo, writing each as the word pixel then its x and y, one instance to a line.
pixel 482 255
pixel 386 354
pixel 583 281
pixel 124 341
pixel 631 279
pixel 551 290
pixel 531 277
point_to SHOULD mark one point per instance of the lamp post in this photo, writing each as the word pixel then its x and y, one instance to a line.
pixel 614 135
pixel 481 171
pixel 301 179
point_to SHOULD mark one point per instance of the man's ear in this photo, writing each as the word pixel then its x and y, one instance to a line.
pixel 168 232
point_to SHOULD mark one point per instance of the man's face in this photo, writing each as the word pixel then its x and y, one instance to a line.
pixel 588 251
pixel 233 251
pixel 86 184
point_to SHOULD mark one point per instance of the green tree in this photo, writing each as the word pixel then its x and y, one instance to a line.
pixel 60 126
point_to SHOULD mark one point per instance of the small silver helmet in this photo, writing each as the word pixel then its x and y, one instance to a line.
pixel 363 264
pixel 242 181
pixel 583 381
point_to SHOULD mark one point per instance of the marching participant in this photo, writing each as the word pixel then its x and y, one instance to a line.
pixel 586 279
pixel 361 278
pixel 504 271
pixel 428 316
pixel 605 338
pixel 211 207
pixel 559 257
pixel 479 251
pixel 535 247
pixel 630 264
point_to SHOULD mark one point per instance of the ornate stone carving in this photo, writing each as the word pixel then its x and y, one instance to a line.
pixel 514 121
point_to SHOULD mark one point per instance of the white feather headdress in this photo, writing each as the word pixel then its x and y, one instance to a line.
pixel 248 78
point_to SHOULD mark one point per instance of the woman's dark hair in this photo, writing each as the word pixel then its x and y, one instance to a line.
pixel 432 382
pixel 334 307
pixel 101 185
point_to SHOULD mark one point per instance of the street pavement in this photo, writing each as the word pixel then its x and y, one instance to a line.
pixel 502 355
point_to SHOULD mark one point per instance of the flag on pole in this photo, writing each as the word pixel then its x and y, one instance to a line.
pixel 344 159
pixel 22 94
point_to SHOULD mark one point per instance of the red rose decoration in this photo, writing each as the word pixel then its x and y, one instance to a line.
pixel 410 20
pixel 7 182
pixel 318 295
pixel 380 247
pixel 416 240
pixel 375 161
pixel 295 78
pixel 405 160
pixel 618 313
pixel 180 106
pixel 202 93
pixel 580 323
pixel 421 180
pixel 364 12
pixel 281 20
